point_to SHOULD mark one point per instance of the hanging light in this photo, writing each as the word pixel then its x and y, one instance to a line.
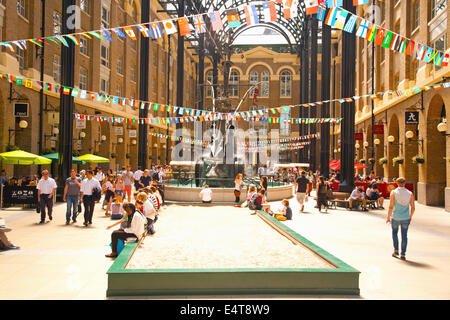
pixel 409 135
pixel 442 127
pixel 366 144
pixel 357 146
pixel 82 134
pixel 103 138
pixel 23 124
pixel 55 131
pixel 133 142
pixel 377 141
pixel 391 139
pixel 120 140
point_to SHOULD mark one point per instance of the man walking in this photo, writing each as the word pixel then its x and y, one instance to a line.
pixel 87 190
pixel 401 208
pixel 46 188
pixel 72 194
pixel 301 184
pixel 137 178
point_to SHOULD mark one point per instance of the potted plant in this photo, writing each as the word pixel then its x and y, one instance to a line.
pixel 128 156
pixel 362 161
pixel 396 160
pixel 383 161
pixel 372 161
pixel 10 148
pixel 418 159
pixel 75 153
pixel 113 155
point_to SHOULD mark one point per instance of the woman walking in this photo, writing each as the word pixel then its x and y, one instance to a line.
pixel 119 188
pixel 321 191
pixel 109 186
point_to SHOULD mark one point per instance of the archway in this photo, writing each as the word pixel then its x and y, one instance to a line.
pixel 379 153
pixel 432 189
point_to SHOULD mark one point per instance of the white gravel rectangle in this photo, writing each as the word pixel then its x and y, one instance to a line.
pixel 189 237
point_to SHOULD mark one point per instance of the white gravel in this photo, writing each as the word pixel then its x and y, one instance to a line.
pixel 218 237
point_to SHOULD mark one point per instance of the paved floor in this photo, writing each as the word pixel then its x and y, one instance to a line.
pixel 67 262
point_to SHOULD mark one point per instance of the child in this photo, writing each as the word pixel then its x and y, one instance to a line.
pixel 206 194
pixel 250 193
pixel 285 212
pixel 116 209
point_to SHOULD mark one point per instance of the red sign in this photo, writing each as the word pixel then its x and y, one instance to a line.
pixel 359 136
pixel 378 129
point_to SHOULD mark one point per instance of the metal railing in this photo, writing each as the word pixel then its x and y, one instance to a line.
pixel 189 181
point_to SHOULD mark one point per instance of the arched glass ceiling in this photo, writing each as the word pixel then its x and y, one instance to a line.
pixel 291 29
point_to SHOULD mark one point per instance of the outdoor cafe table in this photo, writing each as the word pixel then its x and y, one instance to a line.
pixel 384 188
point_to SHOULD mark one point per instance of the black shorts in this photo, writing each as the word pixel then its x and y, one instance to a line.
pixel 374 197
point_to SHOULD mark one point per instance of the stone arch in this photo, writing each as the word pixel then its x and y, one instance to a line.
pixel 283 68
pixel 259 63
pixel 433 184
pixel 379 153
pixel 393 149
pixel 368 150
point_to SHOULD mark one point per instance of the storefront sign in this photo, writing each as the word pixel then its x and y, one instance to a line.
pixel 412 117
pixel 19 195
pixel 80 124
pixel 21 110
pixel 118 131
pixel 133 133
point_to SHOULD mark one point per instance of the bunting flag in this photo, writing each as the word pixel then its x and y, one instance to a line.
pixel 63 41
pixel 270 12
pixel 107 36
pixel 169 27
pixel 334 3
pixel 119 33
pixel 341 16
pixel 251 16
pixel 216 21
pixel 331 17
pixel 351 23
pixel 183 25
pixel 312 7
pixel 129 31
pixel 322 12
pixel 387 39
pixel 360 2
pixel 233 18
pixel 156 30
pixel 75 40
pixel 291 9
pixel 363 28
pixel 95 34
pixel 199 24
pixel 372 33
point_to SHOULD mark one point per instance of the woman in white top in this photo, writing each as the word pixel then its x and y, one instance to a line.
pixel 148 211
pixel 109 186
pixel 206 194
pixel 238 183
pixel 134 229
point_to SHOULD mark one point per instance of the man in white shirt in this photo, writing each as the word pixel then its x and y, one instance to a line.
pixel 358 197
pixel 137 177
pixel 100 176
pixel 46 188
pixel 206 194
pixel 150 214
pixel 86 191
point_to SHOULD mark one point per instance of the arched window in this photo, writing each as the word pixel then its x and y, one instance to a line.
pixel 208 83
pixel 234 83
pixel 265 84
pixel 254 79
pixel 285 84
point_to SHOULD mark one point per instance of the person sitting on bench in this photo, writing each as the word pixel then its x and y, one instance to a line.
pixel 357 197
pixel 372 193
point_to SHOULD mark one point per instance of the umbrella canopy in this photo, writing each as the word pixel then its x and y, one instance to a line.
pixel 93 159
pixel 336 165
pixel 23 158
pixel 55 157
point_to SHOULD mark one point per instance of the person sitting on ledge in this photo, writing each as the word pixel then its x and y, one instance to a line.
pixel 135 228
pixel 261 202
pixel 372 193
pixel 206 194
pixel 285 212
pixel 358 197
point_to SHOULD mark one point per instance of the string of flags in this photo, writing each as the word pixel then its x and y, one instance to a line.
pixel 284 140
pixel 155 29
pixel 191 114
pixel 339 18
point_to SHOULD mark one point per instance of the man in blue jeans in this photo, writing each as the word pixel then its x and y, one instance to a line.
pixel 71 195
pixel 401 208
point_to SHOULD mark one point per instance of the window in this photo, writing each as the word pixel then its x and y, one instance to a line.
pixel 119 91
pixel 121 4
pixel 265 83
pixel 234 84
pixel 104 56
pixel 133 44
pixel 285 84
pixel 20 56
pixel 57 23
pixel 84 5
pixel 437 6
pixel 155 57
pixel 133 73
pixel 254 79
pixel 440 44
pixel 83 79
pixel 416 15
pixel 285 128
pixel 119 65
pixel 105 18
pixel 104 85
pixel 84 46
pixel 208 83
pixel 57 68
pixel 21 8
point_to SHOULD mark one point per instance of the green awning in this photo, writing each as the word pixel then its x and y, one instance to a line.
pixel 55 157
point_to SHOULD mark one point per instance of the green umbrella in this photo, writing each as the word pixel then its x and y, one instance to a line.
pixel 55 157
pixel 93 159
pixel 23 158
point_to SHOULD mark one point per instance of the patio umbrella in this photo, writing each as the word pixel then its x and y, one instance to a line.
pixel 90 158
pixel 336 165
pixel 23 158
pixel 55 157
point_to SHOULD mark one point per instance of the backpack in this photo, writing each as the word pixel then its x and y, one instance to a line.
pixel 156 176
pixel 251 203
pixel 97 194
